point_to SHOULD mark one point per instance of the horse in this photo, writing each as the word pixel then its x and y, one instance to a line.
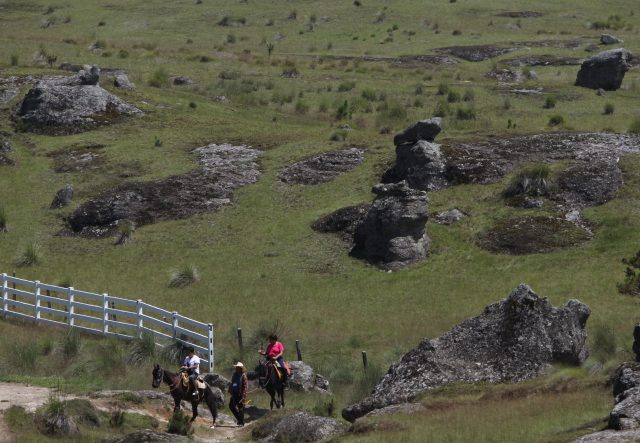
pixel 179 393
pixel 269 380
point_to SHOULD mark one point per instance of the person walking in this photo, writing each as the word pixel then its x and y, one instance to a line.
pixel 238 390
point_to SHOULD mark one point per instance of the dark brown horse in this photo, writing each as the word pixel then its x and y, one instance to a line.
pixel 268 380
pixel 179 393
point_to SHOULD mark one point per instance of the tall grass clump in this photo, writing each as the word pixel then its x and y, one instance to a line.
pixel 125 232
pixel 142 349
pixel 15 59
pixel 159 78
pixel 556 120
pixel 367 381
pixel 550 102
pixel 52 416
pixel 179 424
pixel 184 277
pixel 532 180
pixel 634 127
pixel 70 344
pixel 631 283
pixel 609 108
pixel 30 256
pixel 4 227
pixel 604 343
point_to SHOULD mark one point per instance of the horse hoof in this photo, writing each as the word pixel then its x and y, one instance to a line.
pixel 212 427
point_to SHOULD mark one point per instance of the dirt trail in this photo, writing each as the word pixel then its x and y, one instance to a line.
pixel 32 397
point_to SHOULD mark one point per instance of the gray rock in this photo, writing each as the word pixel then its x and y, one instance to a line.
pixel 322 168
pixel 303 427
pixel 223 169
pixel 149 435
pixel 627 376
pixel 600 92
pixel 421 130
pixel 71 105
pixel 89 76
pixel 5 146
pixel 393 234
pixel 63 197
pixel 608 39
pixel 304 379
pixel 448 217
pixel 589 183
pixel 421 164
pixel 181 81
pixel 515 339
pixel 636 341
pixel 610 436
pixel 626 413
pixel 343 221
pixel 217 380
pixel 605 70
pixel 402 408
pixel 122 81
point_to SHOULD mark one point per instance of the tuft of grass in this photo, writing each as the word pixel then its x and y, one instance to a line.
pixel 142 349
pixel 31 255
pixel 634 127
pixel 159 78
pixel 125 232
pixel 15 60
pixel 531 180
pixel 180 424
pixel 70 344
pixel 550 102
pixel 4 227
pixel 184 277
pixel 556 120
pixel 609 108
pixel 604 343
pixel 466 113
pixel 631 283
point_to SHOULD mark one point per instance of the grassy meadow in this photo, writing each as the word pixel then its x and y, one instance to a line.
pixel 287 68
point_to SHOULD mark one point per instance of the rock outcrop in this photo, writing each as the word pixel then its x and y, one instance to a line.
pixel 608 39
pixel 343 221
pixel 148 435
pixel 5 147
pixel 448 217
pixel 299 427
pixel 71 104
pixel 421 130
pixel 322 168
pixel 512 340
pixel 393 233
pixel 122 81
pixel 223 169
pixel 605 70
pixel 63 197
pixel 304 378
pixel 589 183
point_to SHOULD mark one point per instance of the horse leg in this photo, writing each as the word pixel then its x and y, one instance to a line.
pixel 282 396
pixel 194 410
pixel 176 401
pixel 213 407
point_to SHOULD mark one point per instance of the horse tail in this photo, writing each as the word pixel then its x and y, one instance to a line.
pixel 209 398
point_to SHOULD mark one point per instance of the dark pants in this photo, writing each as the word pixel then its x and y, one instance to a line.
pixel 237 409
pixel 192 378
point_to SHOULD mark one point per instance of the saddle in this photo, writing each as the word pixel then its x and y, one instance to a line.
pixel 184 378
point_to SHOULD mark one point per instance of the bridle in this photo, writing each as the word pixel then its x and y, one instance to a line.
pixel 158 381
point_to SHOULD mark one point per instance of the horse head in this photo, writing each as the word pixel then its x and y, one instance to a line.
pixel 158 375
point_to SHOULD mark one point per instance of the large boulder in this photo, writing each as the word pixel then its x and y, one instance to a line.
pixel 148 435
pixel 63 197
pixel 514 339
pixel 304 378
pixel 421 130
pixel 421 164
pixel 608 39
pixel 301 427
pixel 343 221
pixel 393 234
pixel 121 80
pixel 70 105
pixel 605 70
pixel 217 380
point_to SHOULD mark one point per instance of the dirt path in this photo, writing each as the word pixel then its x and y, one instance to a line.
pixel 32 397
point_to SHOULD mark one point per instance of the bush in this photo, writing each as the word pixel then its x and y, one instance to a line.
pixel 301 107
pixel 466 113
pixel 184 277
pixel 608 109
pixel 70 344
pixel 159 78
pixel 634 127
pixel 531 180
pixel 604 343
pixel 180 424
pixel 343 112
pixel 15 59
pixel 550 102
pixel 453 96
pixel 346 86
pixel 30 256
pixel 443 88
pixel 556 120
pixel 142 349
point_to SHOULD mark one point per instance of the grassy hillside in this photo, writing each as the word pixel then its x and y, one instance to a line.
pixel 260 262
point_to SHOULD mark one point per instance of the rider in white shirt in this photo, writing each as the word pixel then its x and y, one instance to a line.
pixel 192 365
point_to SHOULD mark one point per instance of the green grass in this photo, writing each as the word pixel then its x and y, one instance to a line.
pixel 259 259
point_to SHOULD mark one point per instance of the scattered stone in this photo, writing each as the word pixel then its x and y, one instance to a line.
pixel 505 75
pixel 520 14
pixel 605 70
pixel 524 201
pixel 149 435
pixel 336 137
pixel 322 168
pixel 608 39
pixel 6 161
pixel 611 436
pixel 144 395
pixel 182 81
pixel 122 81
pixel 600 92
pixel 77 158
pixel 514 339
pixel 393 234
pixel 223 169
pixel 304 379
pixel 592 48
pixel 71 105
pixel 543 60
pixel 422 130
pixel 346 127
pixel 385 130
pixel 448 217
pixel 71 67
pixel 475 53
pixel 343 222
pixel 422 165
pixel 303 427
pixel 62 198
pixel 533 234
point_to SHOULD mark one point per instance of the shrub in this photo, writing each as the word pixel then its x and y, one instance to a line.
pixel 634 127
pixel 469 96
pixel 346 86
pixel 466 113
pixel 442 108
pixel 4 227
pixel 631 284
pixel 556 120
pixel 159 78
pixel 604 343
pixel 301 107
pixel 453 96
pixel 443 88
pixel 30 256
pixel 15 59
pixel 550 102
pixel 531 180
pixel 184 277
pixel 193 105
pixel 70 344
pixel 609 108
pixel 343 112
pixel 179 423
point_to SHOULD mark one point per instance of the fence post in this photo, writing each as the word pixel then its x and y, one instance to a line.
pixel 174 323
pixel 113 316
pixel 72 309
pixel 240 345
pixel 140 319
pixel 105 313
pixel 298 350
pixel 37 302
pixel 210 347
pixel 4 295
pixel 48 302
pixel 365 363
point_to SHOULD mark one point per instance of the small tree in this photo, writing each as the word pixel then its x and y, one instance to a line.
pixel 270 47
pixel 631 283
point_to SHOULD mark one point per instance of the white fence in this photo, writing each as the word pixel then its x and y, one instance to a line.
pixel 101 314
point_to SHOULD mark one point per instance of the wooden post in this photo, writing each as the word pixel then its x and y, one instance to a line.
pixel 210 347
pixel 113 316
pixel 4 295
pixel 174 323
pixel 365 363
pixel 298 350
pixel 72 309
pixel 48 302
pixel 240 345
pixel 37 301
pixel 140 319
pixel 105 313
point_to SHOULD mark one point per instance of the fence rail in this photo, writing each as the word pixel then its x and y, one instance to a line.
pixel 101 314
